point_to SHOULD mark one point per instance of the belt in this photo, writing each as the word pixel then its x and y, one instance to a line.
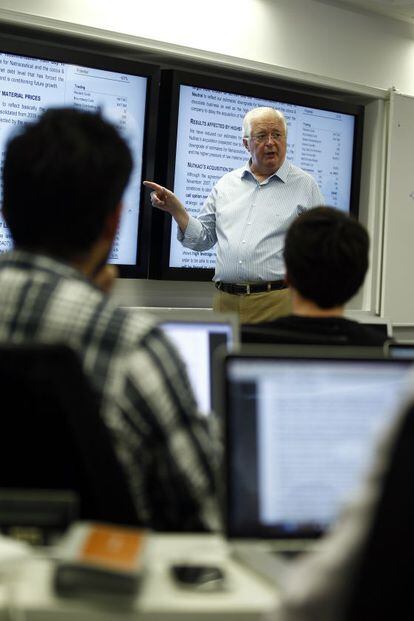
pixel 247 289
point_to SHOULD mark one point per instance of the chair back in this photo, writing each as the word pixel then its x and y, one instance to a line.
pixel 53 435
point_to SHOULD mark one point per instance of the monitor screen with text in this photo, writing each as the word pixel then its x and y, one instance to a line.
pixel 302 435
pixel 209 144
pixel 30 85
pixel 197 342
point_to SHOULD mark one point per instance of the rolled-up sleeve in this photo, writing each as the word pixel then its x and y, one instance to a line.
pixel 200 233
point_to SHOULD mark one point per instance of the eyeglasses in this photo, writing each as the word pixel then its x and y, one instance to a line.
pixel 263 137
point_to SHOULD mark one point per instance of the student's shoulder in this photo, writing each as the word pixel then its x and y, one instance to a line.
pixel 365 335
pixel 135 324
pixel 123 328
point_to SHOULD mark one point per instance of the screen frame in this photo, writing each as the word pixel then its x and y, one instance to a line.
pixel 199 317
pixel 171 81
pixel 393 350
pixel 279 352
pixel 86 53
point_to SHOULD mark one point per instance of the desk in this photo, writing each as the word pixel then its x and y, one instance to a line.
pixel 248 597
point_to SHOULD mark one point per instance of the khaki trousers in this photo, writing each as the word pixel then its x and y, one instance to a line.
pixel 256 307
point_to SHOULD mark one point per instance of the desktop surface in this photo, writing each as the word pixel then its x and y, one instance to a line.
pixel 247 597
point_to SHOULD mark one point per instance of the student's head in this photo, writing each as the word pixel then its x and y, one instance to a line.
pixel 63 176
pixel 326 256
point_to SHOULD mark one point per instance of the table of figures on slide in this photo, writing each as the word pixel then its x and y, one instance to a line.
pixel 29 86
pixel 209 144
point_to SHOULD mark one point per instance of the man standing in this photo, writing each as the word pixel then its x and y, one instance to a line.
pixel 247 214
pixel 64 179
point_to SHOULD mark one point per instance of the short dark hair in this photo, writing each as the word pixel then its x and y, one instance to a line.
pixel 326 256
pixel 62 176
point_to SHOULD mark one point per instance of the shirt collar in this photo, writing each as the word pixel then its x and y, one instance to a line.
pixel 281 173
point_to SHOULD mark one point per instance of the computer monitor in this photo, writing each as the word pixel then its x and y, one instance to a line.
pixel 205 142
pixel 197 338
pixel 35 76
pixel 400 350
pixel 301 424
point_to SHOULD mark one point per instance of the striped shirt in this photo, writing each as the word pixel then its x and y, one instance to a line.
pixel 248 220
pixel 165 446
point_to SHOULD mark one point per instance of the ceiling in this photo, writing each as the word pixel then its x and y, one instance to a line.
pixel 395 9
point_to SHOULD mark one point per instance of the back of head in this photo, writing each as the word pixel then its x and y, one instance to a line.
pixel 62 176
pixel 326 256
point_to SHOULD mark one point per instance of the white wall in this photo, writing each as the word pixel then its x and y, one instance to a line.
pixel 306 35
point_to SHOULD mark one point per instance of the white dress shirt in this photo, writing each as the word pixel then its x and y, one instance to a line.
pixel 248 220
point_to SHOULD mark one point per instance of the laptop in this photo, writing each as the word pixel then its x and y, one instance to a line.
pixel 197 336
pixel 401 350
pixel 301 424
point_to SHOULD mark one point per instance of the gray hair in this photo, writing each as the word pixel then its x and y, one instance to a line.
pixel 252 114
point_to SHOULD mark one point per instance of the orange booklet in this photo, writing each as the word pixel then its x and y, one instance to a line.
pixel 96 557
